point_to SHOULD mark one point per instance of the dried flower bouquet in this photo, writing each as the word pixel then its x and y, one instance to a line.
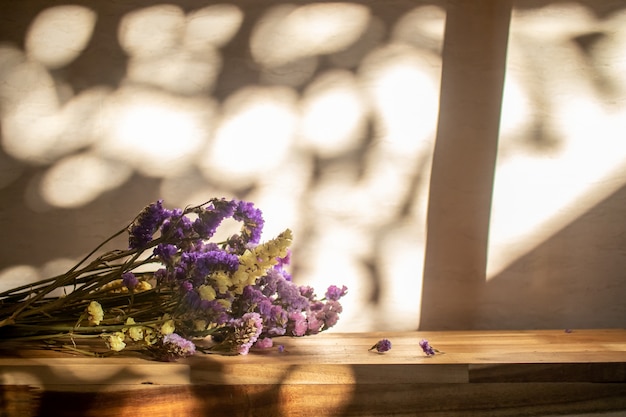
pixel 171 289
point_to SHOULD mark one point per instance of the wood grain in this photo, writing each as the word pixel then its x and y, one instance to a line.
pixel 479 373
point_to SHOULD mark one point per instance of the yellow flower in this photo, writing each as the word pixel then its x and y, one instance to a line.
pixel 143 286
pixel 95 312
pixel 253 263
pixel 207 292
pixel 134 332
pixel 115 286
pixel 115 341
pixel 150 336
pixel 168 327
pixel 226 303
pixel 221 280
pixel 199 325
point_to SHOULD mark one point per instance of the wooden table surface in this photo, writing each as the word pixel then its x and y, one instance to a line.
pixel 478 373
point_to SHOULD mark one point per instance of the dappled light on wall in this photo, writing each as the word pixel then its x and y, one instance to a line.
pixel 176 51
pixel 562 148
pixel 337 118
pixel 31 119
pixel 288 33
pixel 403 88
pixel 334 114
pixel 58 35
pixel 422 26
pixel 156 133
pixel 79 179
pixel 253 136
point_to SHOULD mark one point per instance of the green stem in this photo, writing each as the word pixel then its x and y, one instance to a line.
pixel 79 331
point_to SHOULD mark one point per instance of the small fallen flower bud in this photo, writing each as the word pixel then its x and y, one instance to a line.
pixel 382 346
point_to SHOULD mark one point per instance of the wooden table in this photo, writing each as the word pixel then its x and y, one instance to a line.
pixel 480 373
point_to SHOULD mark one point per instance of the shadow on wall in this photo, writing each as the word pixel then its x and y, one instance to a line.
pixel 557 159
pixel 198 100
pixel 568 281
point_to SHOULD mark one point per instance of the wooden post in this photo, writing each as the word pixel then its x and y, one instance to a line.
pixel 474 60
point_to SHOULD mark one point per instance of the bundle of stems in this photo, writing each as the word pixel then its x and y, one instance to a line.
pixel 54 309
pixel 170 288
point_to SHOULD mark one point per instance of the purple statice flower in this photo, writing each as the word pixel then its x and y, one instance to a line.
pixel 315 323
pixel 146 224
pixel 211 217
pixel 330 313
pixel 129 280
pixel 251 298
pixel 322 316
pixel 177 227
pixel 246 331
pixel 316 305
pixel 214 312
pixel 252 219
pixel 264 343
pixel 307 292
pixel 197 266
pixel 282 262
pixel 186 265
pixel 382 346
pixel 191 298
pixel 281 348
pixel 297 325
pixel 237 244
pixel 172 347
pixel 177 272
pixel 186 286
pixel 275 323
pixel 264 307
pixel 288 294
pixel 207 262
pixel 161 275
pixel 165 253
pixel 428 350
pixel 334 293
pixel 269 283
pixel 284 274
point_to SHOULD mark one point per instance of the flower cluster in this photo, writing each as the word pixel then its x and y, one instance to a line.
pixel 427 348
pixel 382 346
pixel 174 286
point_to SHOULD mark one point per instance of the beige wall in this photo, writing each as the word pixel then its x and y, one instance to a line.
pixel 371 128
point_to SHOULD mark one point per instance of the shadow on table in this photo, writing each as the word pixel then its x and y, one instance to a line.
pixel 126 391
pixel 140 389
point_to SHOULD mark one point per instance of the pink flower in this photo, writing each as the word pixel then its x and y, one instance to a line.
pixel 264 343
pixel 298 323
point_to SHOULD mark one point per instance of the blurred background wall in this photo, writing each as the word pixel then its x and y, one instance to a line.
pixel 458 165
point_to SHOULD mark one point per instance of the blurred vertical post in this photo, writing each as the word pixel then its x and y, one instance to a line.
pixel 472 79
